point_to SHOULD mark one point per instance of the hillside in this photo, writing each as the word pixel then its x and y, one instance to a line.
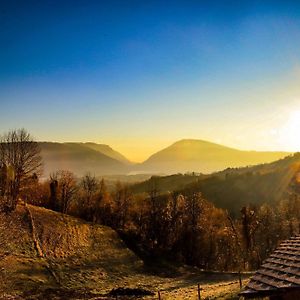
pixel 80 159
pixel 108 151
pixel 47 255
pixel 234 187
pixel 165 184
pixel 204 157
pixel 267 183
pixel 59 251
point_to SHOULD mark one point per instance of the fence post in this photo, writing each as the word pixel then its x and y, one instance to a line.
pixel 199 295
pixel 159 295
pixel 240 279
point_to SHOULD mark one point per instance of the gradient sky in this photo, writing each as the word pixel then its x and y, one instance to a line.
pixel 139 75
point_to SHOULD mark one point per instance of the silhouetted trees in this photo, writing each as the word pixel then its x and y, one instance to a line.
pixel 20 162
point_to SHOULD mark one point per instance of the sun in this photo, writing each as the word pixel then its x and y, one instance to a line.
pixel 290 132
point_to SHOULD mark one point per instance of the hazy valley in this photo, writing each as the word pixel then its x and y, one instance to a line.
pixel 181 157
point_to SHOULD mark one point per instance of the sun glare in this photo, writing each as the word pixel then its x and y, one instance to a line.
pixel 290 133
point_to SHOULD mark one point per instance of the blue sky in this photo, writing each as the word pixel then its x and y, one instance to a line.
pixel 139 75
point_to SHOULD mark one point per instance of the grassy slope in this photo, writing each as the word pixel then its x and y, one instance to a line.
pixel 76 255
pixel 83 261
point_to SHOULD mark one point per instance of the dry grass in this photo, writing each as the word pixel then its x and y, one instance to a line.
pixel 84 261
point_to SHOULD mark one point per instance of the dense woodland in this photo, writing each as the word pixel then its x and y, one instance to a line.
pixel 180 226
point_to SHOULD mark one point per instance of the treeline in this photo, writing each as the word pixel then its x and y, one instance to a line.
pixel 179 226
pixel 182 227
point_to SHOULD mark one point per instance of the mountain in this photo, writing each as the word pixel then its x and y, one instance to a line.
pixel 202 156
pixel 108 151
pixel 181 157
pixel 80 159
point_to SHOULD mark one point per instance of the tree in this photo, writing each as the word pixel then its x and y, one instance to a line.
pixel 53 203
pixel 3 180
pixel 65 188
pixel 122 198
pixel 19 159
pixel 89 185
pixel 103 206
pixel 193 211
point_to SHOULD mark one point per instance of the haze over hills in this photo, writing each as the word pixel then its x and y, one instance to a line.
pixel 201 156
pixel 107 150
pixel 81 158
pixel 181 157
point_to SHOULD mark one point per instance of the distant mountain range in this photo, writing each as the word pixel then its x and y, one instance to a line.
pixel 182 156
pixel 105 149
pixel 204 157
pixel 81 158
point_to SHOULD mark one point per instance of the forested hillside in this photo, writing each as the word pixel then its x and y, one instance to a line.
pixel 234 187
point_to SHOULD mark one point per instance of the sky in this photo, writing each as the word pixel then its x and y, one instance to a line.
pixel 140 75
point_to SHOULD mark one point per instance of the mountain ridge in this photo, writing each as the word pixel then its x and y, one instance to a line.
pixel 78 159
pixel 186 155
pixel 205 157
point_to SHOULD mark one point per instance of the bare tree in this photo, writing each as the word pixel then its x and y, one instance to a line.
pixel 66 188
pixel 90 186
pixel 20 160
pixel 122 198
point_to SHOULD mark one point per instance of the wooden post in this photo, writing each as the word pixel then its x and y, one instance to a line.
pixel 199 295
pixel 159 295
pixel 240 279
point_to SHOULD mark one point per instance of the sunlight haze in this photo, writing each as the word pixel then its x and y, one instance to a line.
pixel 229 76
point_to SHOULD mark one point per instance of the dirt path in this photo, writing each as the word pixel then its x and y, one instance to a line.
pixel 37 245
